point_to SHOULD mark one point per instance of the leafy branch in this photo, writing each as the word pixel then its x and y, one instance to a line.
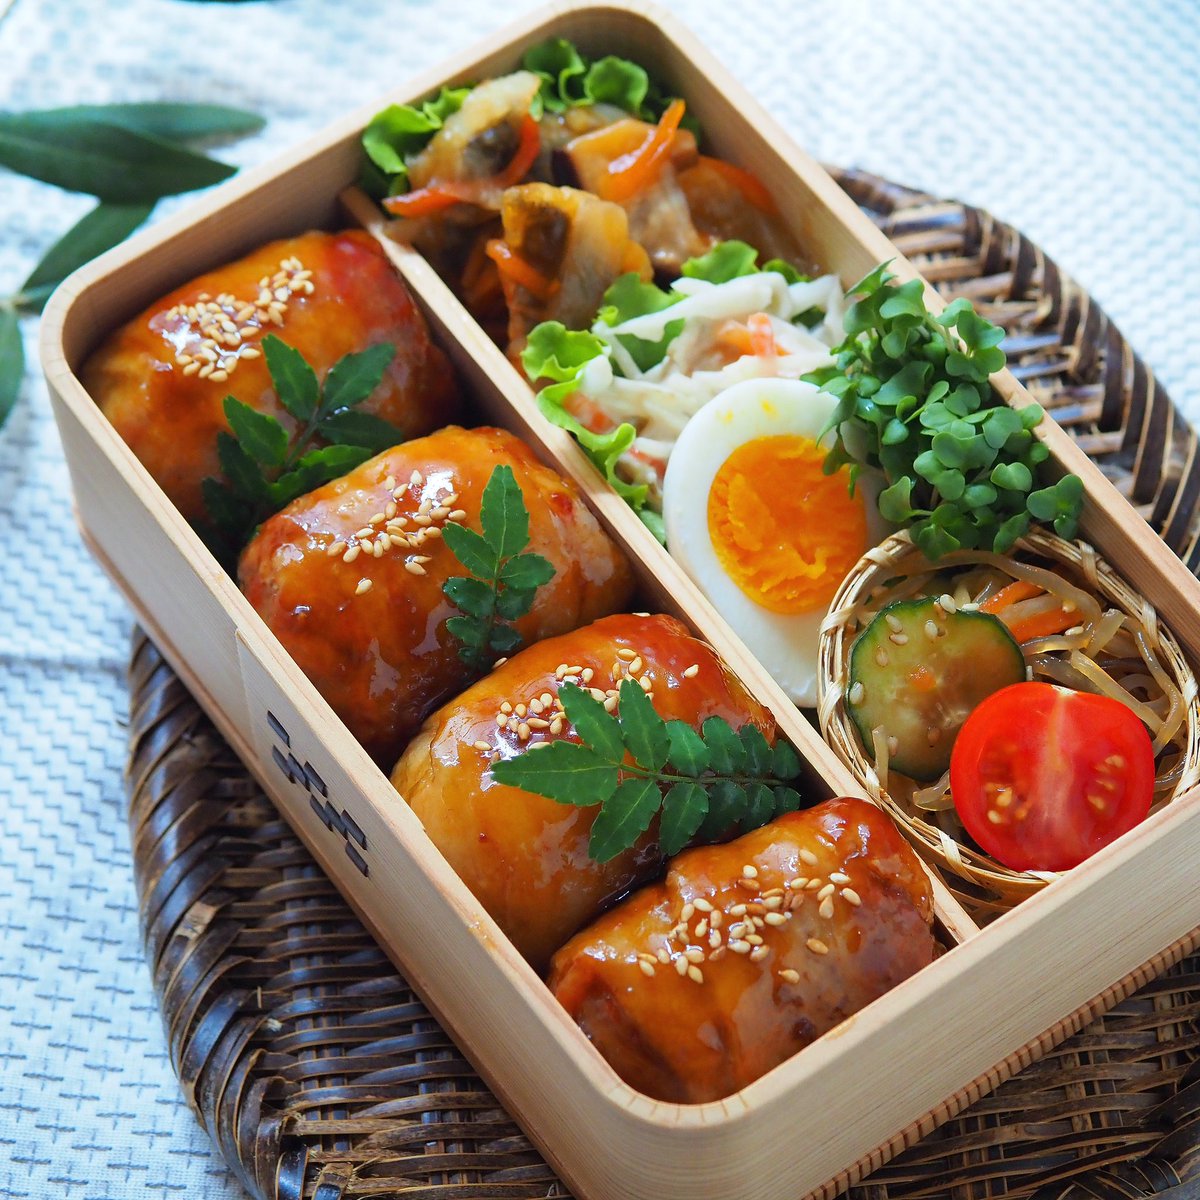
pixel 127 156
pixel 502 581
pixel 914 401
pixel 636 764
pixel 265 467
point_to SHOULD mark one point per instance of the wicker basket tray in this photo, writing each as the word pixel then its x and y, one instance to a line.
pixel 319 1074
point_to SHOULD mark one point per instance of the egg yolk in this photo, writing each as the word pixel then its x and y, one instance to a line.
pixel 783 531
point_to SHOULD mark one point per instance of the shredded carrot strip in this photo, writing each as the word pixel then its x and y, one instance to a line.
pixel 762 336
pixel 481 289
pixel 632 172
pixel 1057 620
pixel 437 196
pixel 515 269
pixel 1035 625
pixel 736 336
pixel 751 187
pixel 526 154
pixel 1021 589
pixel 422 202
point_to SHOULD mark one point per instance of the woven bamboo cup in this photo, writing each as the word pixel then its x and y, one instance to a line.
pixel 983 884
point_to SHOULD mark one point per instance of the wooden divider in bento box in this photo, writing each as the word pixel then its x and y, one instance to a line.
pixel 878 1080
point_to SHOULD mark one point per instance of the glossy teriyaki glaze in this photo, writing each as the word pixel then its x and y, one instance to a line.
pixel 525 857
pixel 349 577
pixel 749 951
pixel 162 377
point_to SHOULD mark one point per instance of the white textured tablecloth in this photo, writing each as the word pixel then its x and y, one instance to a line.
pixel 1077 121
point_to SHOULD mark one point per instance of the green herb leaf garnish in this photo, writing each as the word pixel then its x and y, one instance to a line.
pixel 914 401
pixel 266 468
pixel 503 579
pixel 635 763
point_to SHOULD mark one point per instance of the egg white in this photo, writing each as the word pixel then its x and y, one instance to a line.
pixel 785 643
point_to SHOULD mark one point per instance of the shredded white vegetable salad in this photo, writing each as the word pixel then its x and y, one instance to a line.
pixel 702 360
pixel 653 358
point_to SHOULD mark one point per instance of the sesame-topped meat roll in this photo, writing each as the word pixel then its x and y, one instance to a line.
pixel 747 952
pixel 525 857
pixel 162 377
pixel 350 576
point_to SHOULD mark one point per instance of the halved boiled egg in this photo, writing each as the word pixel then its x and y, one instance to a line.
pixel 753 519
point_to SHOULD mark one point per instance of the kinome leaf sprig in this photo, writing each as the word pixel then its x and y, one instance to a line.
pixel 714 781
pixel 265 468
pixel 502 581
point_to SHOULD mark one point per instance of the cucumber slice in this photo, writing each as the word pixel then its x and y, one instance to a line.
pixel 918 671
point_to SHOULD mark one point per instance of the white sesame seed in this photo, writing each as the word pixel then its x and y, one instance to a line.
pixel 826 909
pixel 817 946
pixel 901 639
pixel 482 745
pixel 881 657
pixel 893 622
pixel 692 671
pixel 947 604
pixel 458 514
pixel 838 877
pixel 694 954
pixel 827 890
pixel 759 953
pixel 663 955
pixel 695 974
pixel 809 857
pixel 789 976
pixel 336 548
pixel 414 568
pixel 738 946
pixel 749 871
pixel 776 918
pixel 851 897
pixel 931 630
pixel 681 965
pixel 364 585
pixel 689 910
pixel 351 554
pixel 645 967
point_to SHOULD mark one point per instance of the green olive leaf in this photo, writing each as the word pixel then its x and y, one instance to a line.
pixel 90 153
pixel 12 361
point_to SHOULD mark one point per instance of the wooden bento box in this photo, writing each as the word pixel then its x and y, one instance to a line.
pixel 1000 997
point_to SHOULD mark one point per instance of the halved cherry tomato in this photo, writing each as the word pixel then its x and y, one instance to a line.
pixel 1043 777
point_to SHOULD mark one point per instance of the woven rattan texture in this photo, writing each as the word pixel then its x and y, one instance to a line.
pixel 320 1075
